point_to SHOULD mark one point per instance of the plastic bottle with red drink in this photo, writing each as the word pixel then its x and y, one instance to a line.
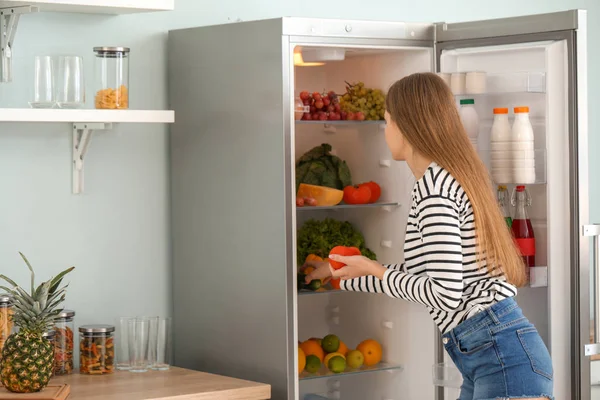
pixel 521 226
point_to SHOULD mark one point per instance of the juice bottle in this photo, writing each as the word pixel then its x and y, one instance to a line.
pixel 521 226
pixel 503 203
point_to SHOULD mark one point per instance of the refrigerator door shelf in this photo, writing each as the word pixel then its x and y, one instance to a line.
pixel 388 206
pixel 446 375
pixel 511 83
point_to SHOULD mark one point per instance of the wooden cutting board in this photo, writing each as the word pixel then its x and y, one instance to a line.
pixel 50 392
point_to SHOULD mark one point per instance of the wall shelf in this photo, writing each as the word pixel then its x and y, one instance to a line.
pixel 94 6
pixel 86 116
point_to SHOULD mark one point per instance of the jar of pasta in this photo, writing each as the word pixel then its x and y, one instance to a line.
pixel 63 342
pixel 112 78
pixel 6 324
pixel 96 349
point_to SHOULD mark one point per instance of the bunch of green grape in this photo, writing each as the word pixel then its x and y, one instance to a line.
pixel 367 102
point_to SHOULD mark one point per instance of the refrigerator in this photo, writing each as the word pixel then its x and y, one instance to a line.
pixel 233 150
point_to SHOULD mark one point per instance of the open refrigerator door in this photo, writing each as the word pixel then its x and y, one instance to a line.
pixel 513 71
pixel 404 330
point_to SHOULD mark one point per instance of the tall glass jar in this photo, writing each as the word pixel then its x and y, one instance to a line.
pixel 96 349
pixel 6 324
pixel 112 77
pixel 64 327
pixel 50 336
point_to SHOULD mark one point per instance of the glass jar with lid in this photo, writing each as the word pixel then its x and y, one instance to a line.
pixel 112 78
pixel 6 324
pixel 64 327
pixel 96 349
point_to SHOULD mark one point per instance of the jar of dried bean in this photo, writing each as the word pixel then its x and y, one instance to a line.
pixel 96 349
pixel 6 324
pixel 63 342
pixel 112 77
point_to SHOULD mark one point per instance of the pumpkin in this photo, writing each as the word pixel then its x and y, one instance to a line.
pixel 325 197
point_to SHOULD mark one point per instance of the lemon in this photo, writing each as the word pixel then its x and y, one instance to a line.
pixel 337 364
pixel 355 359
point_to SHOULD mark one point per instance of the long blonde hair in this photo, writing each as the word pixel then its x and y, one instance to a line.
pixel 424 109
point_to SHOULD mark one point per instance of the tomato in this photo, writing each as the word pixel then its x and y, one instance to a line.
pixel 343 251
pixel 357 194
pixel 375 190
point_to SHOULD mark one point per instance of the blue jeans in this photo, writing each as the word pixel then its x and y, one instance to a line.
pixel 500 355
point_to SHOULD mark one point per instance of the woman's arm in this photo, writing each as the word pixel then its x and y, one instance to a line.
pixel 439 250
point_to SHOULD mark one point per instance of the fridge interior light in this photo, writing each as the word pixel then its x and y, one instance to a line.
pixel 299 61
pixel 323 54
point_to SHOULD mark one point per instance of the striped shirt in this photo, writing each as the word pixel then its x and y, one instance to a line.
pixel 440 269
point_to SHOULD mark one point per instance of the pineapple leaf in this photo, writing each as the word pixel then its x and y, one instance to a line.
pixel 31 269
pixel 10 281
pixel 55 283
pixel 42 296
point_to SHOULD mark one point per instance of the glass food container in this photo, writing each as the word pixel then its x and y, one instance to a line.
pixel 112 78
pixel 50 336
pixel 96 349
pixel 6 325
pixel 63 342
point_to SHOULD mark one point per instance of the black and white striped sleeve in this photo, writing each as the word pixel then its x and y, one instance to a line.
pixel 368 284
pixel 439 251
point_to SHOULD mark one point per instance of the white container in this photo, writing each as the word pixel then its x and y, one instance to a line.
pixel 445 77
pixel 476 82
pixel 514 163
pixel 502 175
pixel 515 154
pixel 501 130
pixel 524 175
pixel 458 83
pixel 470 119
pixel 522 131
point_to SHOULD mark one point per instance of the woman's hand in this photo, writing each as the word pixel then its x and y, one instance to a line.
pixel 322 271
pixel 356 266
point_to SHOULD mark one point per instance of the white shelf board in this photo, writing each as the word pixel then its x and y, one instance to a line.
pixel 84 115
pixel 95 6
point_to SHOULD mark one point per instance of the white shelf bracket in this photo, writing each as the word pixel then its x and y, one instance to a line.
pixel 82 135
pixel 9 20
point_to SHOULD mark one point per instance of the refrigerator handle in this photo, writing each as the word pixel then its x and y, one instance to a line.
pixel 593 231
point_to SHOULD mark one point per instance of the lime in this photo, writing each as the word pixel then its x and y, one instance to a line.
pixel 313 364
pixel 331 343
pixel 355 359
pixel 337 365
pixel 315 284
pixel 330 356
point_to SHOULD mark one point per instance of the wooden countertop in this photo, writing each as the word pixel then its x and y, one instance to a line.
pixel 175 384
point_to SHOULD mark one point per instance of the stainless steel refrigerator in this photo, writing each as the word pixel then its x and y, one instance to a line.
pixel 234 146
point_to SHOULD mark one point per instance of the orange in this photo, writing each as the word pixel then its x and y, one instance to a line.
pixel 372 351
pixel 343 349
pixel 301 360
pixel 312 347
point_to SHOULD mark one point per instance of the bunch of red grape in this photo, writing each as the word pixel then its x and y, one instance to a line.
pixel 326 107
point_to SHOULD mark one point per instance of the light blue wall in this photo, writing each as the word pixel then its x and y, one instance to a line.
pixel 116 233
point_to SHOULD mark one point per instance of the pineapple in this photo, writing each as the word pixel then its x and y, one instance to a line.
pixel 27 357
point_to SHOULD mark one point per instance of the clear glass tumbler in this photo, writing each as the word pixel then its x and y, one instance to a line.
pixel 161 349
pixel 122 338
pixel 44 87
pixel 71 83
pixel 139 344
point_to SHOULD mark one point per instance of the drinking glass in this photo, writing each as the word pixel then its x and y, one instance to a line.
pixel 139 339
pixel 44 88
pixel 71 84
pixel 161 349
pixel 122 338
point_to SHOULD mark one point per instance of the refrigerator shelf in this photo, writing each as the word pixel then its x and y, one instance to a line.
pixel 511 83
pixel 325 373
pixel 389 206
pixel 338 123
pixel 306 292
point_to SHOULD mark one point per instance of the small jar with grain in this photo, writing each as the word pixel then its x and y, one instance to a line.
pixel 112 78
pixel 96 349
pixel 64 326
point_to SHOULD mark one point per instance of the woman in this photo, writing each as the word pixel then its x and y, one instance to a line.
pixel 459 258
